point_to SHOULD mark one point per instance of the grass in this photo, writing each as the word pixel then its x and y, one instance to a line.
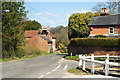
pixel 24 57
pixel 76 58
pixel 79 71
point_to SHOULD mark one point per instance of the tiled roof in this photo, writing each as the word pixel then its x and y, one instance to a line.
pixel 30 33
pixel 45 38
pixel 105 20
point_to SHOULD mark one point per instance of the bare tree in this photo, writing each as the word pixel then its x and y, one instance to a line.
pixel 98 7
pixel 111 5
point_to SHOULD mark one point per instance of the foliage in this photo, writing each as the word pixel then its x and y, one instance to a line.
pixel 31 25
pixel 29 50
pixel 95 42
pixel 100 36
pixel 78 24
pixel 13 13
pixel 61 34
pixel 51 50
pixel 25 52
pixel 60 46
pixel 111 5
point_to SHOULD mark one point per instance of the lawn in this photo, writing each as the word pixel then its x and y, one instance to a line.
pixel 79 71
pixel 24 57
pixel 76 58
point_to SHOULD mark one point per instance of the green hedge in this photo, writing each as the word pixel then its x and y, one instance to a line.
pixel 95 42
pixel 27 50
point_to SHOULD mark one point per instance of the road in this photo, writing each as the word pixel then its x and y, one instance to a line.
pixel 46 66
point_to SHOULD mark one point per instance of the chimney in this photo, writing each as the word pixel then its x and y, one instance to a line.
pixel 104 12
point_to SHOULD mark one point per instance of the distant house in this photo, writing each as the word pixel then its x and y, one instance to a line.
pixel 108 25
pixel 41 39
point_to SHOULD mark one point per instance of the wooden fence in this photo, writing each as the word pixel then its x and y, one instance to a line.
pixel 83 59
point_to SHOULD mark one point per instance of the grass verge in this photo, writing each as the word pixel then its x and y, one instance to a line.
pixel 79 71
pixel 76 58
pixel 24 57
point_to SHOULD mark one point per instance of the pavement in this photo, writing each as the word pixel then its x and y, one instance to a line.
pixel 46 66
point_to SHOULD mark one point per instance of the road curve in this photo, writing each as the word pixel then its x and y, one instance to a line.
pixel 46 66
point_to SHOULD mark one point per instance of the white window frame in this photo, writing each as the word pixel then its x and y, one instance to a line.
pixel 109 30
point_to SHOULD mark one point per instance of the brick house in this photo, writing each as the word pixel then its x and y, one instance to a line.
pixel 41 39
pixel 105 24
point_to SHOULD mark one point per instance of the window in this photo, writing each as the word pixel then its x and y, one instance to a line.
pixel 111 30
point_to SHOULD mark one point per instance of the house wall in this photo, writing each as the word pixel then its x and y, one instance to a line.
pixel 38 42
pixel 104 30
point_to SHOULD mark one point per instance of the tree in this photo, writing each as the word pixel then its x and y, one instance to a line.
pixel 78 24
pixel 98 7
pixel 31 25
pixel 112 7
pixel 13 13
pixel 61 34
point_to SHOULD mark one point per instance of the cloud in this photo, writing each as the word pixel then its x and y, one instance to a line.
pixel 39 14
pixel 47 14
pixel 80 11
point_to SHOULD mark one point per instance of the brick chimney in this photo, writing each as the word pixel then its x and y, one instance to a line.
pixel 104 12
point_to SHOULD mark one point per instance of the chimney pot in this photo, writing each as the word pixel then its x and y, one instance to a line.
pixel 104 10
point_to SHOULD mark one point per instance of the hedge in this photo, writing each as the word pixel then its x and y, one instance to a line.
pixel 95 42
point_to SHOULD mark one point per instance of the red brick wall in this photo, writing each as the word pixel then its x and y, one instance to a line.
pixel 38 42
pixel 98 30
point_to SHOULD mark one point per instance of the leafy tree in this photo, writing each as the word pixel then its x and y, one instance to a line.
pixel 31 25
pixel 13 13
pixel 78 24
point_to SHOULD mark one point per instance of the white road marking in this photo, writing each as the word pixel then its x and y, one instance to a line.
pixel 41 76
pixel 61 60
pixel 48 73
pixel 57 67
pixel 65 67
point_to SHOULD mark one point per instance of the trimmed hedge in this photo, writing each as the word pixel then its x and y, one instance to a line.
pixel 95 42
pixel 100 36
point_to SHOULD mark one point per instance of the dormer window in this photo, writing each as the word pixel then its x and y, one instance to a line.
pixel 111 30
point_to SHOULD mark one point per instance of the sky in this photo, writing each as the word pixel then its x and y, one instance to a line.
pixel 52 14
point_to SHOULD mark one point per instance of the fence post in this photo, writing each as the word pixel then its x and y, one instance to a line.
pixel 80 60
pixel 83 62
pixel 71 55
pixel 107 65
pixel 92 63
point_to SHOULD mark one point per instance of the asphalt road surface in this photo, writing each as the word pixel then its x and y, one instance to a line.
pixel 46 66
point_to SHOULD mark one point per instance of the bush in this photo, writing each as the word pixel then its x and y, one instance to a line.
pixel 62 51
pixel 20 52
pixel 30 50
pixel 25 50
pixel 51 50
pixel 95 42
pixel 100 36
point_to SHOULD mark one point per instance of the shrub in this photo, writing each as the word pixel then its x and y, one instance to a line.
pixel 100 36
pixel 20 52
pixel 30 50
pixel 62 51
pixel 51 50
pixel 95 42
